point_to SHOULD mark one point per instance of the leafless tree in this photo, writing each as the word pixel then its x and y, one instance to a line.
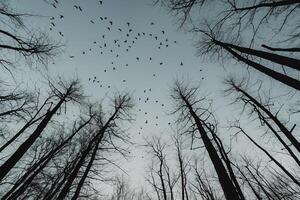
pixel 15 37
pixel 196 117
pixel 294 178
pixel 62 92
pixel 262 108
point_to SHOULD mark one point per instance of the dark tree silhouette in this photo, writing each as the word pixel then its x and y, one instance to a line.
pixel 284 169
pixel 15 37
pixel 264 113
pixel 62 92
pixel 194 116
pixel 103 132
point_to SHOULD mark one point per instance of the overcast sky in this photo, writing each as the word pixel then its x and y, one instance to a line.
pixel 171 52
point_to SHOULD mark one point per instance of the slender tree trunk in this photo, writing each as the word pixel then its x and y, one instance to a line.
pixel 87 170
pixel 294 83
pixel 269 196
pixel 226 184
pixel 162 180
pixel 295 49
pixel 23 148
pixel 181 173
pixel 63 193
pixel 257 195
pixel 268 5
pixel 65 190
pixel 27 125
pixel 228 164
pixel 281 60
pixel 273 159
pixel 45 160
pixel 283 129
pixel 281 140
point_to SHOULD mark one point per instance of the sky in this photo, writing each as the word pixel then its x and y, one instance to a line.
pixel 91 50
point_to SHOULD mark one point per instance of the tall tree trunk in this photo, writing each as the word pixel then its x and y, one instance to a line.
pixel 281 60
pixel 87 170
pixel 226 184
pixel 63 193
pixel 44 161
pixel 27 125
pixel 283 129
pixel 292 49
pixel 227 163
pixel 272 4
pixel 273 159
pixel 294 83
pixel 23 148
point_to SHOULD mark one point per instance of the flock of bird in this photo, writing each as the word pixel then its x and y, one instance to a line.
pixel 128 37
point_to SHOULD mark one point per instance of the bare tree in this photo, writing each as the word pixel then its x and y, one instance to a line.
pixel 15 37
pixel 194 116
pixel 157 149
pixel 103 132
pixel 284 169
pixel 53 149
pixel 265 114
pixel 29 111
pixel 62 92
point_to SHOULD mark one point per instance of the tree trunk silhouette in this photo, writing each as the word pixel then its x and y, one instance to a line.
pixel 294 83
pixel 268 5
pixel 272 158
pixel 23 148
pixel 226 184
pixel 282 128
pixel 87 169
pixel 295 49
pixel 27 125
pixel 281 60
pixel 40 165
